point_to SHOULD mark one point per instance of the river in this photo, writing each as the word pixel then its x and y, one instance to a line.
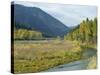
pixel 76 65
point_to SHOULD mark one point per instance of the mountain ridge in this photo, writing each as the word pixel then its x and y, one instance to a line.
pixel 33 17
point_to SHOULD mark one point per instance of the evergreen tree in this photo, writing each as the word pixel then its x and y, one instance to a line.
pixel 85 32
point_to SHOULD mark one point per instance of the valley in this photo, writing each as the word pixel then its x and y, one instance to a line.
pixel 38 56
pixel 42 43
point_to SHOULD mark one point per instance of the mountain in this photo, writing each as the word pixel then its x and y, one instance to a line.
pixel 37 19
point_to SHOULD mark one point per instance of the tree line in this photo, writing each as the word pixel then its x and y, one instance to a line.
pixel 24 34
pixel 86 31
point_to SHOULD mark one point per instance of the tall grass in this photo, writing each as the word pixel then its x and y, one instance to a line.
pixel 92 63
pixel 37 57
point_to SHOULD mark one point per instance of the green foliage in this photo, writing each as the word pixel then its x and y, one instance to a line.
pixel 85 32
pixel 24 34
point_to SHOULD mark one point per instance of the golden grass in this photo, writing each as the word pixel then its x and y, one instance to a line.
pixel 93 63
pixel 36 57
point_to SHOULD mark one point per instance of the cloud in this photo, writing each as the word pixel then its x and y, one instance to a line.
pixel 70 15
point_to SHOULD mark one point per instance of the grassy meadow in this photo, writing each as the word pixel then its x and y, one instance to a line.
pixel 36 56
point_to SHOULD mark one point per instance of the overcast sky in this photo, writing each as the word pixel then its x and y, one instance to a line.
pixel 70 15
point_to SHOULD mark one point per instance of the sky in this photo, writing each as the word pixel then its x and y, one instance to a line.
pixel 68 14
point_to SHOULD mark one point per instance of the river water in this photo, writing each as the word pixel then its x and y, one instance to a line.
pixel 76 65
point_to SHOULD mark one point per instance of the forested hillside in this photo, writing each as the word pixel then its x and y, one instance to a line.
pixel 21 32
pixel 86 31
pixel 24 34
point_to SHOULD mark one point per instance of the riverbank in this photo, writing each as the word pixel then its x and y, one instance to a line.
pixel 89 62
pixel 38 56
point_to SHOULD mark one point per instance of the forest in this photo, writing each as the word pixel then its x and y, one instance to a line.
pixel 24 34
pixel 86 31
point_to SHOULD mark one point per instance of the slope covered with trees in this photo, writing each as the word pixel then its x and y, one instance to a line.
pixel 86 31
pixel 23 33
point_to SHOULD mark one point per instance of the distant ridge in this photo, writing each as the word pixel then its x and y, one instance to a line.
pixel 35 18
